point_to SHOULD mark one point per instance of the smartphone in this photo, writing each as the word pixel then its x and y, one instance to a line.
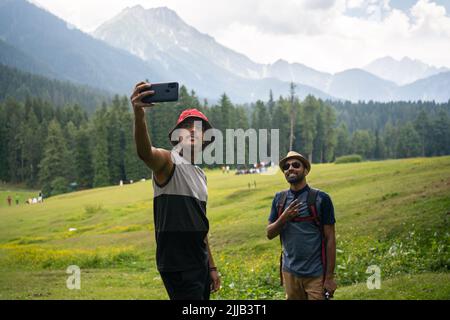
pixel 164 92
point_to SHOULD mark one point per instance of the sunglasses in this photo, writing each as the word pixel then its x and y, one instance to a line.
pixel 295 165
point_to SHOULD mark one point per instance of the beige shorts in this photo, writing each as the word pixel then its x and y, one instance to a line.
pixel 303 288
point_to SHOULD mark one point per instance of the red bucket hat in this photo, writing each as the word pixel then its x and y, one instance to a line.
pixel 191 113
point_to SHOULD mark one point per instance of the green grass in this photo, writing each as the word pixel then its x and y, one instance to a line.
pixel 394 214
pixel 9 190
pixel 425 286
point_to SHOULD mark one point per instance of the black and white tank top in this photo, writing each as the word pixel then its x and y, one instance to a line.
pixel 181 225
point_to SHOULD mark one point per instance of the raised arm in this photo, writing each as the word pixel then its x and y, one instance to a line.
pixel 158 160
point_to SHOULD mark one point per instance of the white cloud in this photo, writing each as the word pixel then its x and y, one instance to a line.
pixel 430 19
pixel 353 4
pixel 318 33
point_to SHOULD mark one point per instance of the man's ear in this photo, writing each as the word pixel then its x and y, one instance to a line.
pixel 306 172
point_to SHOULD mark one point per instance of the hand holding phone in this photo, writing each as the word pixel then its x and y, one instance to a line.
pixel 138 95
pixel 163 92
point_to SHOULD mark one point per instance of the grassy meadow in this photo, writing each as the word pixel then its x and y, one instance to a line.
pixel 393 214
pixel 9 190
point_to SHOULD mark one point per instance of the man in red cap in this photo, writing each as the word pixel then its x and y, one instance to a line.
pixel 183 255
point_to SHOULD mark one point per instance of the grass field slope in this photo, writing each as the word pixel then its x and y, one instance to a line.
pixel 393 214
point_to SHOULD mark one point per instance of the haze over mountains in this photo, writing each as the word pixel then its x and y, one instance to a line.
pixel 65 52
pixel 402 71
pixel 157 44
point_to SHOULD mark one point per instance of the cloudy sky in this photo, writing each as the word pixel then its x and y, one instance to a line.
pixel 329 35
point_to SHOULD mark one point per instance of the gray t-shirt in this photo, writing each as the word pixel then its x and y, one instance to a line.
pixel 302 243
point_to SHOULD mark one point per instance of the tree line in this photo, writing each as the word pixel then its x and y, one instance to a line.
pixel 59 148
pixel 20 84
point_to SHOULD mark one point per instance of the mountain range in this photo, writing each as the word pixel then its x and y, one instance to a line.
pixel 55 49
pixel 402 71
pixel 156 44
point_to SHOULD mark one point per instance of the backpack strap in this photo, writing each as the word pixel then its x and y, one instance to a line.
pixel 280 206
pixel 311 201
pixel 282 202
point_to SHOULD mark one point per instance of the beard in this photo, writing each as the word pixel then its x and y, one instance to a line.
pixel 295 179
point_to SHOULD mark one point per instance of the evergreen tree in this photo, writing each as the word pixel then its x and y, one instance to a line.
pixel 70 134
pixel 423 127
pixel 319 137
pixel 100 149
pixel 55 158
pixel 308 122
pixel 33 146
pixel 329 133
pixel 271 105
pixel 379 147
pixel 408 143
pixel 4 168
pixel 281 122
pixel 83 157
pixel 441 134
pixel 115 141
pixel 343 146
pixel 260 118
pixel 363 143
pixel 293 116
pixel 226 114
pixel 390 141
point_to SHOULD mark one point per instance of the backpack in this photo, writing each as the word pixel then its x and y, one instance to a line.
pixel 312 218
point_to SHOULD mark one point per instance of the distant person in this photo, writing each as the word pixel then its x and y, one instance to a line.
pixel 41 196
pixel 17 198
pixel 304 219
pixel 9 199
pixel 183 256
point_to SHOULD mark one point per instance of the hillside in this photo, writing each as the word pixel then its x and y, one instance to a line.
pixel 390 213
pixel 22 85
pixel 14 58
pixel 69 53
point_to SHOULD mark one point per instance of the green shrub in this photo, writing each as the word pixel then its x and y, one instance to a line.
pixel 348 159
pixel 59 185
pixel 91 209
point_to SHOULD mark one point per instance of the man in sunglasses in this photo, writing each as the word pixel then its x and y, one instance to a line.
pixel 304 219
pixel 183 257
